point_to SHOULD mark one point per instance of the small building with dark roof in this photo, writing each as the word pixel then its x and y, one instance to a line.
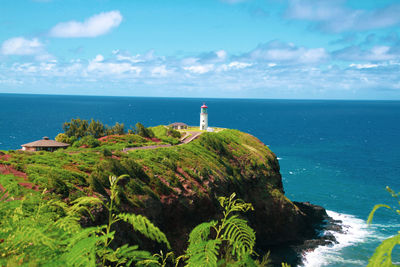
pixel 44 145
pixel 178 126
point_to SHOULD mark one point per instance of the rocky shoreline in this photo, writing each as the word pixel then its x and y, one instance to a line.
pixel 319 235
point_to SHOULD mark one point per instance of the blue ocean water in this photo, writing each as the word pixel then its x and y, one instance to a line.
pixel 338 154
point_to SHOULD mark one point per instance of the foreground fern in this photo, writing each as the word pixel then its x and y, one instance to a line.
pixel 383 254
pixel 126 255
pixel 229 241
pixel 46 232
pixel 42 232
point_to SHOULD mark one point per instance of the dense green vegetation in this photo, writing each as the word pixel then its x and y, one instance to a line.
pixel 79 132
pixel 46 197
pixel 39 230
pixel 167 135
pixel 68 185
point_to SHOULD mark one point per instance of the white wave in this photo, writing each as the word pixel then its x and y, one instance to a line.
pixel 279 158
pixel 354 231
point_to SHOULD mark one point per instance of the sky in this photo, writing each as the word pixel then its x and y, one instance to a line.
pixel 286 49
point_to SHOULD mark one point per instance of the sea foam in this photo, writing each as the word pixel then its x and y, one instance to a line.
pixel 354 231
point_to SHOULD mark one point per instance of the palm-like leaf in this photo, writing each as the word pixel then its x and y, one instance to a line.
pixel 145 227
pixel 383 254
pixel 204 253
pixel 240 236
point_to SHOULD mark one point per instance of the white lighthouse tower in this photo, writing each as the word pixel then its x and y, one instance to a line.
pixel 203 117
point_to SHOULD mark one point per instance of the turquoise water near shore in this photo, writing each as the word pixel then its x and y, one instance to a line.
pixel 338 154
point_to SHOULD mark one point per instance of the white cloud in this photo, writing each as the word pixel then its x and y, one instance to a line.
pixel 221 54
pixel 364 66
pixel 289 53
pixel 99 58
pixel 126 56
pixel 334 16
pixel 234 65
pixel 21 46
pixel 270 70
pixel 94 26
pixel 200 69
pixel 160 71
pixel 99 65
pixel 189 61
pixel 376 53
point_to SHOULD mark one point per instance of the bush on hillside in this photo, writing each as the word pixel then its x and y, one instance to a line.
pixel 57 185
pixel 88 141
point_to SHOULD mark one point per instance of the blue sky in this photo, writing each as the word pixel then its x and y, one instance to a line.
pixel 296 49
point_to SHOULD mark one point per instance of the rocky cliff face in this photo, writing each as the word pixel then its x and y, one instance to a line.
pixel 218 164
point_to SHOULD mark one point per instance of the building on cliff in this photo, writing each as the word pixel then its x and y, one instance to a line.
pixel 203 117
pixel 178 126
pixel 44 145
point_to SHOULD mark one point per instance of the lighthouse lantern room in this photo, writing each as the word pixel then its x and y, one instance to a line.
pixel 203 117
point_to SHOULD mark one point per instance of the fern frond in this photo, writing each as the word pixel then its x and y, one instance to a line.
pixel 31 235
pixel 376 207
pixel 240 236
pixel 81 204
pixel 68 224
pixel 231 204
pixel 201 232
pixel 245 261
pixel 383 254
pixel 126 255
pixel 145 226
pixel 82 252
pixel 203 254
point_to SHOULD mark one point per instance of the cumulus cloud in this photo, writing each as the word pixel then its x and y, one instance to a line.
pixel 160 71
pixel 200 69
pixel 100 65
pixel 334 16
pixel 364 66
pixel 274 69
pixel 356 53
pixel 94 26
pixel 234 65
pixel 21 46
pixel 287 53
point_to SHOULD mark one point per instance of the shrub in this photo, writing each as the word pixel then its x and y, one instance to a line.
pixel 96 185
pixel 63 138
pixel 106 152
pixel 88 141
pixel 57 185
pixel 142 131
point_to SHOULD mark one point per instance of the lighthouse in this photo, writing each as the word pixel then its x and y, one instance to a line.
pixel 203 117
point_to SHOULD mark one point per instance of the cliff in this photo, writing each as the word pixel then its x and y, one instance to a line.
pixel 177 188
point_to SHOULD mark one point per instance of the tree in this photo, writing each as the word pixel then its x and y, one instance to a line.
pixel 118 128
pixel 142 131
pixel 63 138
pixel 96 128
pixel 76 127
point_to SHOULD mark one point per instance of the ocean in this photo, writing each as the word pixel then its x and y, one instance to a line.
pixel 337 154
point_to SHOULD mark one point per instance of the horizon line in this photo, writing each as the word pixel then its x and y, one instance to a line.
pixel 196 97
